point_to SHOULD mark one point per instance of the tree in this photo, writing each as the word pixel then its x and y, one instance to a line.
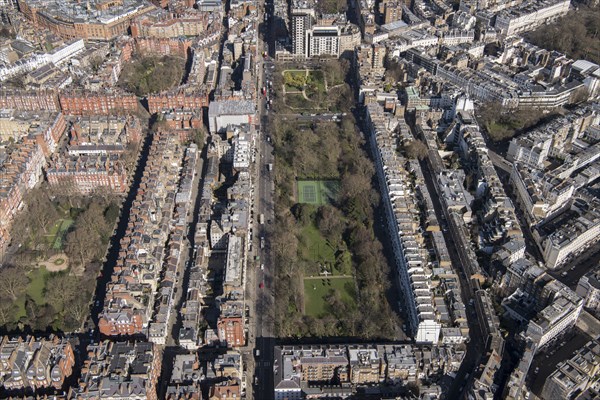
pixel 96 63
pixel 335 71
pixel 394 71
pixel 93 223
pixel 354 185
pixel 331 223
pixel 36 316
pixel 61 289
pixel 79 307
pixel 416 150
pixel 341 98
pixel 332 6
pixel 5 33
pixel 151 74
pixel 304 213
pixel 199 136
pixel 33 223
pixel 7 311
pixel 112 213
pixel 82 244
pixel 13 282
pixel 41 209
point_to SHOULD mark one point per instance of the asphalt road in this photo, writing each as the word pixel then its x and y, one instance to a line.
pixel 260 290
pixel 475 347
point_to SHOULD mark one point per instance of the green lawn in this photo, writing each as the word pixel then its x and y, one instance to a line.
pixel 57 232
pixel 313 85
pixel 314 247
pixel 35 290
pixel 37 284
pixel 317 192
pixel 315 291
pixel 62 233
pixel 316 84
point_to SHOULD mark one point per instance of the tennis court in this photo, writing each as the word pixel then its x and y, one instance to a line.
pixel 317 192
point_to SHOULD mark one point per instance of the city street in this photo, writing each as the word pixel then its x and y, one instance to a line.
pixel 475 347
pixel 260 279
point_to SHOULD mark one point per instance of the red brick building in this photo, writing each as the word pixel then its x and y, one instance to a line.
pixel 91 103
pixel 180 99
pixel 183 122
pixel 32 100
pixel 84 174
pixel 53 134
pixel 176 25
pixel 228 390
pixel 64 25
pixel 22 171
pixel 163 46
pixel 231 330
pixel 48 363
pixel 123 323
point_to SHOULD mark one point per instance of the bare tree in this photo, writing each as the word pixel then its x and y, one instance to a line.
pixel 13 282
pixel 61 289
pixel 41 209
pixel 79 307
pixel 80 244
pixel 416 150
pixel 7 310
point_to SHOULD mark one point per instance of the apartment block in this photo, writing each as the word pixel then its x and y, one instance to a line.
pixel 50 126
pixel 87 173
pixel 556 318
pixel 179 46
pixel 528 16
pixel 575 375
pixel 161 25
pixel 32 100
pixel 231 330
pixel 588 289
pixel 311 371
pixel 302 19
pixel 119 371
pixel 184 122
pixel 228 390
pixel 185 378
pixel 177 99
pixel 19 173
pixel 578 229
pixel 35 363
pixel 72 19
pixel 94 156
pixel 97 103
pixel 366 366
pixel 322 41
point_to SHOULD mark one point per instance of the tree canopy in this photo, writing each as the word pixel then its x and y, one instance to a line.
pixel 152 74
pixel 575 34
